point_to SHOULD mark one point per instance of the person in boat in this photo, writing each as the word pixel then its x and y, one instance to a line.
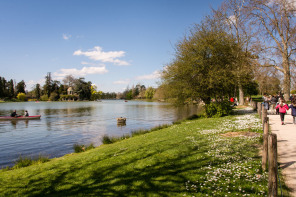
pixel 26 113
pixel 14 114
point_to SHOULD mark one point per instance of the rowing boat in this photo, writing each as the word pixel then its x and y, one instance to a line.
pixel 20 117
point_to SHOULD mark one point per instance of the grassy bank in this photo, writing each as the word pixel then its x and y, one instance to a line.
pixel 195 158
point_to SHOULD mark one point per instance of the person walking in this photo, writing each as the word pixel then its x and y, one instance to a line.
pixel 283 107
pixel 293 110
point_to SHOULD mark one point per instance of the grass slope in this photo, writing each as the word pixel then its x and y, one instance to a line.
pixel 188 159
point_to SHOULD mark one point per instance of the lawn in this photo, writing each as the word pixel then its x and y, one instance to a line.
pixel 188 159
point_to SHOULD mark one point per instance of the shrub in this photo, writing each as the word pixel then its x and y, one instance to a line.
pixel 27 161
pixel 44 98
pixel 218 109
pixel 106 140
pixel 21 96
pixel 82 148
pixel 23 162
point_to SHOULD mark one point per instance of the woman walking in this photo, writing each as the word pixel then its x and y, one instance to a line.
pixel 283 107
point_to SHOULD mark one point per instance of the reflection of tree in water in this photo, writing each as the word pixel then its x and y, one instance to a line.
pixel 51 114
pixel 77 112
pixel 183 112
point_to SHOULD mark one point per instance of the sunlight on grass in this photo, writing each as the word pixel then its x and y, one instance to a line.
pixel 188 159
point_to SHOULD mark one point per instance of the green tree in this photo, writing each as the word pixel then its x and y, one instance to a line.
pixel 204 64
pixel 149 93
pixel 20 87
pixel 47 88
pixel 83 89
pixel 95 95
pixel 2 87
pixel 37 91
pixel 10 89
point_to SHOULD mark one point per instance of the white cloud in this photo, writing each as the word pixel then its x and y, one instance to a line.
pixel 154 75
pixel 122 81
pixel 66 36
pixel 80 73
pixel 98 54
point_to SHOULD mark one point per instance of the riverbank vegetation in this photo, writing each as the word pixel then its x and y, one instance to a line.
pixel 202 157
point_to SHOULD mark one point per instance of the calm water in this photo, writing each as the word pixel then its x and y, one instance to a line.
pixel 64 124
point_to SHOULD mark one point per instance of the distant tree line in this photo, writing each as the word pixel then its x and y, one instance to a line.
pixel 140 92
pixel 9 89
pixel 54 90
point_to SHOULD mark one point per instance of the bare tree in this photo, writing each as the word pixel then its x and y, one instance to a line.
pixel 69 80
pixel 275 21
pixel 235 15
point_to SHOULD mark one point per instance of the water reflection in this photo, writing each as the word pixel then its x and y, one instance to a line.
pixel 63 124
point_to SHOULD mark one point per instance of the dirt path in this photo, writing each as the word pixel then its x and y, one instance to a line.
pixel 286 136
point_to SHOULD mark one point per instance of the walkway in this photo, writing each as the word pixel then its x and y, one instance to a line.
pixel 286 136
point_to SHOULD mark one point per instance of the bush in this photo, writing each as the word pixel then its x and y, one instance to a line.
pixel 44 98
pixel 218 109
pixel 27 161
pixel 106 140
pixel 21 96
pixel 82 148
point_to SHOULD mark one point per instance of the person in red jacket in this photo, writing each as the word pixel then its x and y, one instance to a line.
pixel 283 107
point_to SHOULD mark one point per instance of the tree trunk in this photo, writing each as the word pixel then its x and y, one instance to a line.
pixel 287 79
pixel 241 95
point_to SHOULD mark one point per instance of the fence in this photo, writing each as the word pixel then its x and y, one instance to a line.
pixel 269 151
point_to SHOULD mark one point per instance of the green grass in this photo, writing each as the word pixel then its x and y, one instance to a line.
pixel 187 159
pixel 257 98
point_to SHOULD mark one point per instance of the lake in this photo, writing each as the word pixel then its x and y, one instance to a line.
pixel 64 124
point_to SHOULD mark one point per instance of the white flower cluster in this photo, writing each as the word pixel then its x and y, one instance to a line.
pixel 230 172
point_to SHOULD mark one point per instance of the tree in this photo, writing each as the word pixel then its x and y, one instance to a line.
pixel 2 87
pixel 69 80
pixel 204 64
pixel 10 89
pixel 95 95
pixel 149 93
pixel 268 80
pixel 20 87
pixel 48 85
pixel 37 91
pixel 83 89
pixel 234 14
pixel 275 20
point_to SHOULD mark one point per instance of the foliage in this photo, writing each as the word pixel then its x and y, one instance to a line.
pixel 251 88
pixel 20 87
pixel 27 161
pixel 293 92
pixel 78 148
pixel 21 97
pixel 203 65
pixel 68 97
pixel 54 96
pixel 37 91
pixel 149 93
pixel 83 89
pixel 218 109
pixel 44 98
pixel 95 95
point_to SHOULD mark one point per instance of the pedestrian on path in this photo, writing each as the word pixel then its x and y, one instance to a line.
pixel 283 107
pixel 293 110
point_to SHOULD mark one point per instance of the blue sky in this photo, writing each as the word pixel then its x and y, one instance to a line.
pixel 112 43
